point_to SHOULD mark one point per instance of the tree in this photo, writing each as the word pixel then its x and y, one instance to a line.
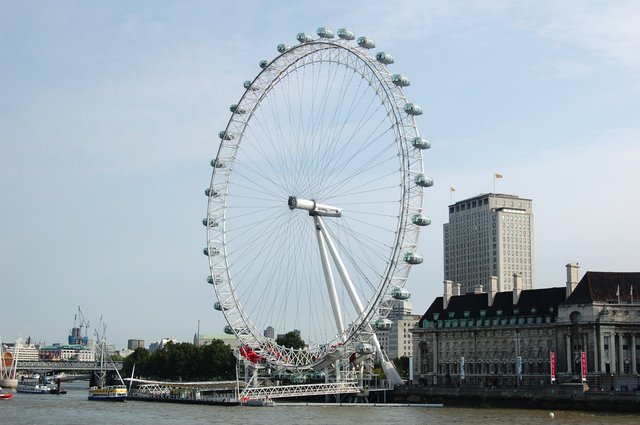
pixel 291 339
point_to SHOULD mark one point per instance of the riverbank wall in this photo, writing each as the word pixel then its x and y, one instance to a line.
pixel 557 397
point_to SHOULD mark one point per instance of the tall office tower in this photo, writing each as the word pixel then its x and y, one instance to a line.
pixel 489 235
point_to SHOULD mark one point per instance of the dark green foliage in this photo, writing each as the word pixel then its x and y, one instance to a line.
pixel 402 366
pixel 183 361
pixel 291 340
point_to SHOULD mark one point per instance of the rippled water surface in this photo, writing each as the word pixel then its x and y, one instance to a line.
pixel 74 408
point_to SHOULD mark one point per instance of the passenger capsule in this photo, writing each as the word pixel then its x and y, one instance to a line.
pixel 324 32
pixel 237 109
pixel 209 222
pixel 400 293
pixel 219 307
pixel 217 163
pixel 228 330
pixel 283 48
pixel 420 143
pixel 211 192
pixel 212 281
pixel 423 181
pixel 412 109
pixel 263 63
pixel 420 219
pixel 366 42
pixel 413 258
pixel 384 58
pixel 364 348
pixel 226 135
pixel 249 86
pixel 400 80
pixel 303 37
pixel 383 324
pixel 346 34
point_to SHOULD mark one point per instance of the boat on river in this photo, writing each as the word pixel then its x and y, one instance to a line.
pixel 108 393
pixel 5 396
pixel 33 386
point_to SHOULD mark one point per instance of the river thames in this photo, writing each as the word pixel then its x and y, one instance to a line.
pixel 74 408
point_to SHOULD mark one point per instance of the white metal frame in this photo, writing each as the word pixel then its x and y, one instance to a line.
pixel 411 165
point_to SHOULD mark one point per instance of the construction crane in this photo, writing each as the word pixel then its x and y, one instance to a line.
pixel 77 336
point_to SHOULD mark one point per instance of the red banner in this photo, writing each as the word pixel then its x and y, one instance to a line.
pixel 552 361
pixel 583 362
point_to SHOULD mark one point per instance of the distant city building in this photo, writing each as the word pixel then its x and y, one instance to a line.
pixel 398 341
pixel 161 343
pixel 489 235
pixel 132 344
pixel 75 352
pixel 507 339
pixel 125 352
pixel 25 351
pixel 269 332
pixel 204 339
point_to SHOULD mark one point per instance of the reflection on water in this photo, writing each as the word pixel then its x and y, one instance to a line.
pixel 74 408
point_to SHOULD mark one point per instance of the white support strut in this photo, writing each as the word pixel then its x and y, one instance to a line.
pixel 331 286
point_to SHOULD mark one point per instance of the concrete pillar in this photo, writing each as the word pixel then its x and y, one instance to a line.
pixel 603 364
pixel 633 354
pixel 621 353
pixel 596 345
pixel 434 353
pixel 567 351
pixel 612 351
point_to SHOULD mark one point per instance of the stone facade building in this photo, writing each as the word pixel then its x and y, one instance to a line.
pixel 398 341
pixel 506 339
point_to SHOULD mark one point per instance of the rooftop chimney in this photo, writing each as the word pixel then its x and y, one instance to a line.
pixel 456 289
pixel 478 289
pixel 573 270
pixel 493 290
pixel 448 289
pixel 517 287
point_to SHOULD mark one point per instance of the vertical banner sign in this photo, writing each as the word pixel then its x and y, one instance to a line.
pixel 552 361
pixel 583 362
pixel 461 367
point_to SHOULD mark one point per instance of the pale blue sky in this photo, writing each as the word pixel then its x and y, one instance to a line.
pixel 109 114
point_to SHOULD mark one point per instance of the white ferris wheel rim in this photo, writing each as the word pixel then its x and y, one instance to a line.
pixel 234 304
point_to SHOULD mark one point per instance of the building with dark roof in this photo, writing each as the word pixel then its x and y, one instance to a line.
pixel 508 338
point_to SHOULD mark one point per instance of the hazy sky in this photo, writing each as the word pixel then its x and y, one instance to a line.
pixel 109 114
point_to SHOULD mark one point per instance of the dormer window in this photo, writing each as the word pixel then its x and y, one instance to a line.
pixel 499 313
pixel 483 313
pixel 436 316
pixel 516 311
pixel 451 314
pixel 467 314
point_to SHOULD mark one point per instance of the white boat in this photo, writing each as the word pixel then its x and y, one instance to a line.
pixel 108 393
pixel 33 386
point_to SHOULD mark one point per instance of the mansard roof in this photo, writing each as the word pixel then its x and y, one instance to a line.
pixel 605 287
pixel 544 301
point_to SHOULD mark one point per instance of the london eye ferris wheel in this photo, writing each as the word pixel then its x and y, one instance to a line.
pixel 316 201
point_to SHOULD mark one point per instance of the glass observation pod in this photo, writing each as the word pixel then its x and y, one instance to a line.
pixel 364 348
pixel 226 135
pixel 400 80
pixel 324 32
pixel 400 293
pixel 211 192
pixel 412 109
pixel 218 306
pixel 228 330
pixel 237 109
pixel 247 85
pixel 384 58
pixel 366 42
pixel 413 258
pixel 263 63
pixel 346 34
pixel 217 163
pixel 420 219
pixel 209 223
pixel 299 379
pixel 211 251
pixel 211 281
pixel 423 181
pixel 383 324
pixel 283 48
pixel 420 143
pixel 303 37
